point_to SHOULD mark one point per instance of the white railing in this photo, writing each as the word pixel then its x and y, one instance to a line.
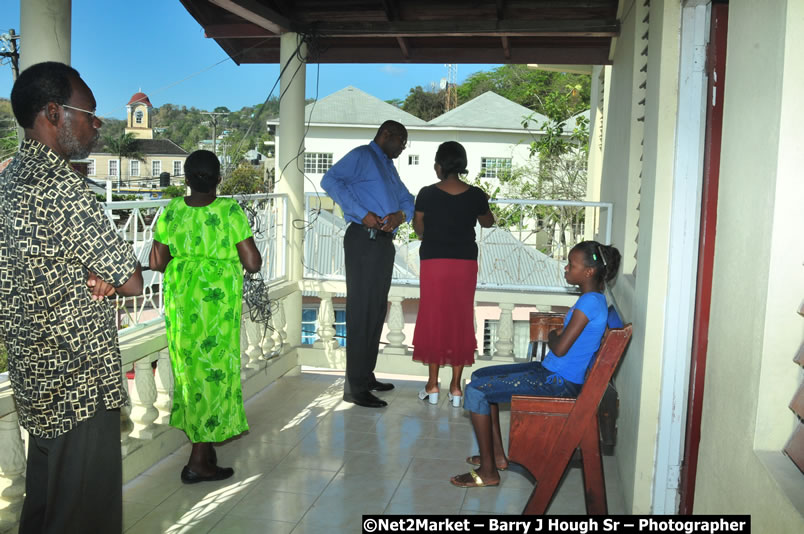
pixel 526 250
pixel 135 221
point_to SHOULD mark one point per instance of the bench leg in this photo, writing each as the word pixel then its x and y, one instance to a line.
pixel 594 485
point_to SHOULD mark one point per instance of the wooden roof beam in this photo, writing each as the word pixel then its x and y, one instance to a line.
pixel 506 46
pixel 257 13
pixel 542 28
pixel 239 30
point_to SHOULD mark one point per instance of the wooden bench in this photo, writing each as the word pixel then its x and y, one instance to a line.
pixel 546 431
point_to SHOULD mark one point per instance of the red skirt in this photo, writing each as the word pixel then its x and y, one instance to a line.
pixel 445 326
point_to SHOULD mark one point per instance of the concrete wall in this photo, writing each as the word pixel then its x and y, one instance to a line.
pixel 758 283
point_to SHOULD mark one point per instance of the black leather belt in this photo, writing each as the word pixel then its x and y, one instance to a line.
pixel 374 233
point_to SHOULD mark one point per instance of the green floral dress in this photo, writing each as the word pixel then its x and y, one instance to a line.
pixel 203 291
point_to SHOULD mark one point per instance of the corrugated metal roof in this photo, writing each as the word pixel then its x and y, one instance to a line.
pixel 323 250
pixel 504 260
pixel 490 111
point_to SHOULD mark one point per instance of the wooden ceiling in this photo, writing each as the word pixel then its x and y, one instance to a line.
pixel 573 32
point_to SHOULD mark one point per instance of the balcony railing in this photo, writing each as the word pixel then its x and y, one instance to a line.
pixel 135 221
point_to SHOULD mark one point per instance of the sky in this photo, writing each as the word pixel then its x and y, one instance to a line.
pixel 156 47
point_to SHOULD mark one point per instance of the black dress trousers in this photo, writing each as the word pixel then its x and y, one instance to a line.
pixel 369 266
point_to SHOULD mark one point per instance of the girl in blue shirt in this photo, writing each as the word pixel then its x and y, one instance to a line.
pixel 590 265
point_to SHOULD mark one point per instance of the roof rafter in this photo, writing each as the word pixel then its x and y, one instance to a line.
pixel 256 13
pixel 463 28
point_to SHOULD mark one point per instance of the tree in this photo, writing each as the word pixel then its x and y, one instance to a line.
pixel 123 146
pixel 8 130
pixel 244 180
pixel 173 191
pixel 426 105
pixel 527 87
pixel 556 171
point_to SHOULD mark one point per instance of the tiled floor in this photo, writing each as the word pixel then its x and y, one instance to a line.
pixel 312 463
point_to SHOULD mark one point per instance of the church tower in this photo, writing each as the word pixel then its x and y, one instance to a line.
pixel 138 114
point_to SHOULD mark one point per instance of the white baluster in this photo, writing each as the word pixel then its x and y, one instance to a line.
pixel 396 322
pixel 126 425
pixel 253 350
pixel 326 323
pixel 267 342
pixel 278 319
pixel 143 397
pixel 244 358
pixel 505 332
pixel 12 467
pixel 164 387
pixel 479 349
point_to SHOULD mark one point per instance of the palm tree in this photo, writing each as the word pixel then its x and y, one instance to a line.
pixel 124 146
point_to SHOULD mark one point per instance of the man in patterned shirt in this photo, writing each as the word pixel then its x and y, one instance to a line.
pixel 59 256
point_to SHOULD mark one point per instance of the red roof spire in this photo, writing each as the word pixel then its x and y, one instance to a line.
pixel 140 98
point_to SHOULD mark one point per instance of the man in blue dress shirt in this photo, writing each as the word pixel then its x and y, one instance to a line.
pixel 374 200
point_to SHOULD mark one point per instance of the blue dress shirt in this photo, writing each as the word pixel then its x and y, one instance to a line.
pixel 366 180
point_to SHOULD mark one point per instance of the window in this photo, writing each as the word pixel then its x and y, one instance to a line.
pixel 112 167
pixel 494 167
pixel 138 116
pixel 413 159
pixel 177 168
pixel 317 162
pixel 134 168
pixel 310 326
pixel 156 168
pixel 91 167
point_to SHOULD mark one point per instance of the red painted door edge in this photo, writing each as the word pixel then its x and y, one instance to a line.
pixel 716 68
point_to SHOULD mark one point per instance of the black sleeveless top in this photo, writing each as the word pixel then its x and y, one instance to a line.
pixel 449 222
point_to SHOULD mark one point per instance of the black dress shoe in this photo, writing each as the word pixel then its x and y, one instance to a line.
pixel 364 399
pixel 188 476
pixel 380 386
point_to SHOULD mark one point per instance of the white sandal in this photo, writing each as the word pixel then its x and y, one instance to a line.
pixel 455 400
pixel 432 398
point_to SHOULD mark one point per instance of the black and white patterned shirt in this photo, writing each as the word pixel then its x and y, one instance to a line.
pixel 64 358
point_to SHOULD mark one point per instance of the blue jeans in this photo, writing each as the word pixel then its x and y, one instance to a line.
pixel 498 383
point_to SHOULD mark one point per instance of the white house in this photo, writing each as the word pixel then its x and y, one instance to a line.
pixel 489 127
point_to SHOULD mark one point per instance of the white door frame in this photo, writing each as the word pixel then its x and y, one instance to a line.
pixel 685 217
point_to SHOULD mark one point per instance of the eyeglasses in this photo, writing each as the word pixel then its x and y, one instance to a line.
pixel 92 116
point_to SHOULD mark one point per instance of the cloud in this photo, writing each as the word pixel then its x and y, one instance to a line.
pixel 393 70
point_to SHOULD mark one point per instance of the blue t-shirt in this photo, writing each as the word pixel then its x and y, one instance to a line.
pixel 572 366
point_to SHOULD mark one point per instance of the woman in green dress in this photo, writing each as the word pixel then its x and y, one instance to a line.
pixel 202 243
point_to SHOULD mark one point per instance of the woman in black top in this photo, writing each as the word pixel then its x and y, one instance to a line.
pixel 445 218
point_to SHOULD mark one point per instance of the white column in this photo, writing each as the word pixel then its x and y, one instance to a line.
pixel 291 181
pixel 505 332
pixel 143 397
pixel 396 322
pixel 45 27
pixel 12 467
pixel 326 323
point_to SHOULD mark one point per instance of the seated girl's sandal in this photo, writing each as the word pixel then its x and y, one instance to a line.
pixel 476 481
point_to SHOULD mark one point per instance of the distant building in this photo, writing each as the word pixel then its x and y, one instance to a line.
pixel 488 126
pixel 139 176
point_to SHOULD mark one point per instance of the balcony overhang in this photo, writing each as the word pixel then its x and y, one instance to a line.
pixel 568 32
